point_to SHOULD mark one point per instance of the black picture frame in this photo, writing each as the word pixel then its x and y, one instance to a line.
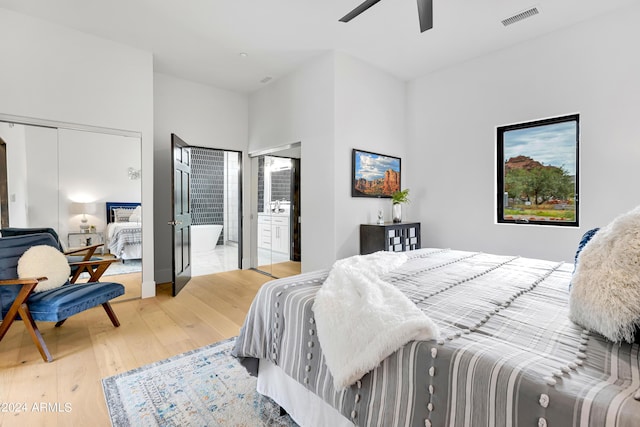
pixel 375 175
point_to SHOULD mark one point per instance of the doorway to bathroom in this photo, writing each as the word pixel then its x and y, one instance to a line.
pixel 216 206
pixel 276 245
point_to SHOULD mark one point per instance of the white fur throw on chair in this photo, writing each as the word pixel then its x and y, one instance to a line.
pixel 605 291
pixel 44 261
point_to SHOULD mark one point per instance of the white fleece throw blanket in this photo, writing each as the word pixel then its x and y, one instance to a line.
pixel 361 319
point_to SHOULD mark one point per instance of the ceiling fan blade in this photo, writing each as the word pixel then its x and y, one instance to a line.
pixel 425 14
pixel 358 10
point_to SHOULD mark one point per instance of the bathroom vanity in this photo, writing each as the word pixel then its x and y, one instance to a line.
pixel 273 231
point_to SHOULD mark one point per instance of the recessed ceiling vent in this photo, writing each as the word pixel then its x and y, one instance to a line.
pixel 520 16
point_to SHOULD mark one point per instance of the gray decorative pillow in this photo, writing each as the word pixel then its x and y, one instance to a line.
pixel 605 291
pixel 122 214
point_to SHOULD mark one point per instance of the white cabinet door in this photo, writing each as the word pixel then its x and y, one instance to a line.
pixel 273 233
pixel 281 238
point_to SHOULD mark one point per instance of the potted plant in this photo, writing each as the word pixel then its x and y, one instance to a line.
pixel 398 198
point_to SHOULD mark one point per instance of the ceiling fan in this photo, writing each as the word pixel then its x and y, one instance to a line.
pixel 425 13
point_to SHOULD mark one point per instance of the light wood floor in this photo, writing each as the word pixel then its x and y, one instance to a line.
pixel 87 348
pixel 281 269
pixel 132 285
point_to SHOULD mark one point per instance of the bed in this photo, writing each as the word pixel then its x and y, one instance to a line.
pixel 123 237
pixel 507 353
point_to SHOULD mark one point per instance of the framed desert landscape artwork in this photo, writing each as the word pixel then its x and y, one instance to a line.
pixel 374 175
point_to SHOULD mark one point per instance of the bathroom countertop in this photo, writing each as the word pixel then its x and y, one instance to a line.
pixel 273 214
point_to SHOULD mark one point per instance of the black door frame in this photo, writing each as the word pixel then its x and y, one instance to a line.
pixel 4 186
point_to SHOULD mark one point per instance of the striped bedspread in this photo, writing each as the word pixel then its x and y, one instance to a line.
pixel 508 354
pixel 123 234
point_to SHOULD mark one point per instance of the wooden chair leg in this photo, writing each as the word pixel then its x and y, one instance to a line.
pixel 8 321
pixel 19 306
pixel 76 275
pixel 23 294
pixel 111 314
pixel 97 272
pixel 35 333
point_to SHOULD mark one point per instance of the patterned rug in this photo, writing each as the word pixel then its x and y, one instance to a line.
pixel 128 266
pixel 203 387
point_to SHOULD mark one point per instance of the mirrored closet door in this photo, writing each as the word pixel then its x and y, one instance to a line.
pixel 68 180
pixel 277 212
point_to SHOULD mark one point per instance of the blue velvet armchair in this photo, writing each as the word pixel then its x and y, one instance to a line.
pixel 18 300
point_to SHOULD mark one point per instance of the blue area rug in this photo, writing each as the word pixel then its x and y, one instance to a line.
pixel 203 387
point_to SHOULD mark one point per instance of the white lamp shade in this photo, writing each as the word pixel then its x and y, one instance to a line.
pixel 83 208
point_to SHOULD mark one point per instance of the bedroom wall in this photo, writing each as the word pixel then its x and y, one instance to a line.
pixel 56 73
pixel 299 107
pixel 332 104
pixel 42 176
pixel 202 116
pixel 369 115
pixel 590 68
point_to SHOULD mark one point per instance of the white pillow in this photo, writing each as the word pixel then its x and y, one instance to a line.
pixel 605 288
pixel 44 261
pixel 136 215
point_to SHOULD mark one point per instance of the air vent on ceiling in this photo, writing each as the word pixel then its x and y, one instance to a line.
pixel 520 16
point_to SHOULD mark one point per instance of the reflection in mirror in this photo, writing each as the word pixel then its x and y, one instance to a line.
pixel 274 208
pixel 278 215
pixel 63 179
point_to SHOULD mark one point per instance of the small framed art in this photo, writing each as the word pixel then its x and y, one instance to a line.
pixel 374 175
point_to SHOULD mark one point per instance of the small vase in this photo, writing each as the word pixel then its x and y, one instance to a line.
pixel 397 212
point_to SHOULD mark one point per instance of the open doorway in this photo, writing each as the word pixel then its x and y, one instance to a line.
pixel 216 206
pixel 276 212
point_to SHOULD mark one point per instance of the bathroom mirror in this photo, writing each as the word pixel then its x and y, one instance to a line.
pixel 62 178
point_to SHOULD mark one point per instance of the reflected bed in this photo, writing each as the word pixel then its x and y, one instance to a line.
pixel 124 230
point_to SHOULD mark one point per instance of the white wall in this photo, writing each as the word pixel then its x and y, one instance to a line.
pixel 41 161
pixel 201 116
pixel 592 69
pixel 300 108
pixel 369 115
pixel 332 104
pixel 55 73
